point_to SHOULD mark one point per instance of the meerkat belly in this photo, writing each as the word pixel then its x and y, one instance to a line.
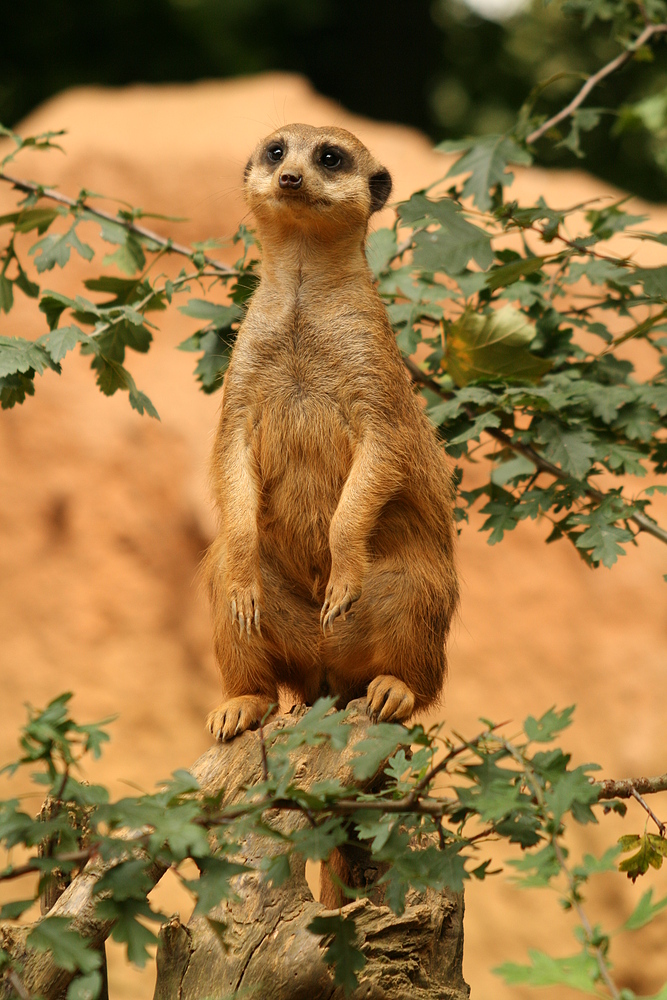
pixel 305 453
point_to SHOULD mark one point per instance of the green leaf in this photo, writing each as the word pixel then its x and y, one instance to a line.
pixel 220 315
pixel 6 293
pixel 62 340
pixel 13 910
pixel 129 257
pixel 67 948
pixel 125 291
pixel 475 428
pixel 140 402
pixel 29 288
pixel 276 868
pixel 654 280
pixel 607 221
pixel 545 729
pixel 501 277
pixel 127 929
pixel 603 541
pixel 85 987
pixel 572 449
pixel 53 305
pixel 453 244
pixel 31 218
pixel 514 468
pixel 492 346
pixel 572 792
pixel 380 250
pixel 54 249
pixel 341 952
pixel 578 972
pixel 582 120
pixel 22 356
pixel 486 160
pixel 381 743
pixel 591 865
pixel 652 849
pixel 213 884
pixel 503 514
pixel 644 911
pixel 127 880
pixel 318 842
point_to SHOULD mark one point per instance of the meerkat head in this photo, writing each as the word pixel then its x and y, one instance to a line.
pixel 322 177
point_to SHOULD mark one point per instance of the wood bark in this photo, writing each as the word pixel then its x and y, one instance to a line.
pixel 265 950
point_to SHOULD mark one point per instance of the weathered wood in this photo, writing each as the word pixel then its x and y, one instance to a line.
pixel 267 951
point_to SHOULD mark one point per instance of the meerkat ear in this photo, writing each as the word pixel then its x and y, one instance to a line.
pixel 380 185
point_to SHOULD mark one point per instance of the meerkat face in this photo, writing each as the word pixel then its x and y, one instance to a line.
pixel 305 175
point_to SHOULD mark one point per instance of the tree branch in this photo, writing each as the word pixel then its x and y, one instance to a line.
pixel 30 188
pixel 611 67
pixel 32 866
pixel 626 787
pixel 641 520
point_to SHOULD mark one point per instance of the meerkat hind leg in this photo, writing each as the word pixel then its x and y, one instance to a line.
pixel 389 699
pixel 236 715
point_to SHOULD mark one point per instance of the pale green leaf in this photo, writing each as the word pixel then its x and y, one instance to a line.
pixel 493 347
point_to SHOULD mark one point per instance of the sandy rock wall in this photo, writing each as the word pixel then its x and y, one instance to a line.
pixel 104 516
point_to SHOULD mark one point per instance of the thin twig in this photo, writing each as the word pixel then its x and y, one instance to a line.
pixel 30 188
pixel 643 522
pixel 585 923
pixel 592 81
pixel 33 866
pixel 63 784
pixel 644 804
pixel 18 986
pixel 537 790
pixel 262 746
pixel 442 765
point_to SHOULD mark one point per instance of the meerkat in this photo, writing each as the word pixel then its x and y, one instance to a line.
pixel 333 569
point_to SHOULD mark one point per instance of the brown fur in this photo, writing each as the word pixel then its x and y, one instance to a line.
pixel 333 568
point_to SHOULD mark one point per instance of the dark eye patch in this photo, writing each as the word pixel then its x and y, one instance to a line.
pixel 275 152
pixel 332 158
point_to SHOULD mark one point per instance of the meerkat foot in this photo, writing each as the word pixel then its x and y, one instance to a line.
pixel 389 699
pixel 237 715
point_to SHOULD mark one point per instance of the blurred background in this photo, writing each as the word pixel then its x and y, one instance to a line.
pixel 105 515
pixel 447 67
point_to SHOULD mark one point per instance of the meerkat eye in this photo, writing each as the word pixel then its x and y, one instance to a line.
pixel 331 159
pixel 275 152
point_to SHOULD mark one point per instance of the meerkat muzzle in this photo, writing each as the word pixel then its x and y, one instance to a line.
pixel 290 181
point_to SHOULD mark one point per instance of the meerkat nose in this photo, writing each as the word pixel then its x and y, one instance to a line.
pixel 290 180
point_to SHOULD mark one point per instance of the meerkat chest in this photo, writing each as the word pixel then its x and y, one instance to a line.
pixel 302 361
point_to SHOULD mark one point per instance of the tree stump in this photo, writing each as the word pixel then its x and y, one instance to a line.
pixel 267 950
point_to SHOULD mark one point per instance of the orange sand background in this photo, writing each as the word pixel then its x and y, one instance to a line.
pixel 104 516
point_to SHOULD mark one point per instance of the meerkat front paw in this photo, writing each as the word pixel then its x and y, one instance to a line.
pixel 389 700
pixel 338 600
pixel 244 603
pixel 236 715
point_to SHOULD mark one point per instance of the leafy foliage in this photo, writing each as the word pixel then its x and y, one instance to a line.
pixel 443 803
pixel 520 313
